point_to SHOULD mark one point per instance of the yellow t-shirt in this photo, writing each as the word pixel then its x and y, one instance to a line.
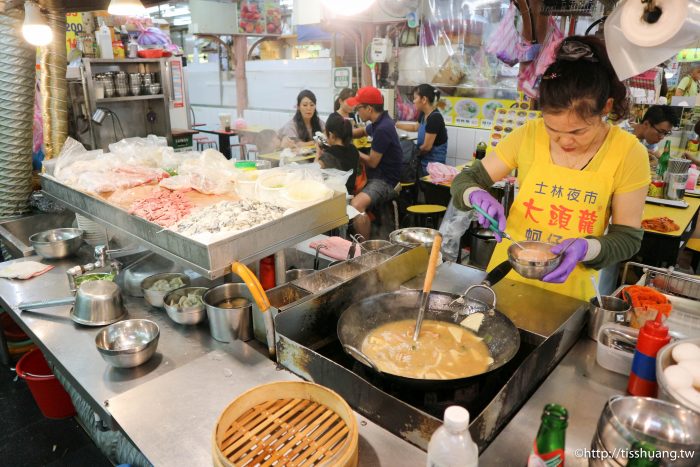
pixel 517 150
pixel 689 86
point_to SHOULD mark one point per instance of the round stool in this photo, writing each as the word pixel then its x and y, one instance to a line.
pixel 425 215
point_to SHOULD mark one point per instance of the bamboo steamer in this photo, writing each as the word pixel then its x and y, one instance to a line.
pixel 286 423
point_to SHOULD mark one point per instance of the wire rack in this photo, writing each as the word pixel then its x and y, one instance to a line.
pixel 667 280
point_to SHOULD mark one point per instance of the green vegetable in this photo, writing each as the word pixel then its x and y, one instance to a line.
pixel 171 172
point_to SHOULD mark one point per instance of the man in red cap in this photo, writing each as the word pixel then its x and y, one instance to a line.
pixel 384 160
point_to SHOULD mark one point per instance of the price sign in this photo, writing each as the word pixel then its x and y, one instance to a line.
pixel 342 77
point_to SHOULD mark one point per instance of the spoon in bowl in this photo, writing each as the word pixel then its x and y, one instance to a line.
pixel 494 226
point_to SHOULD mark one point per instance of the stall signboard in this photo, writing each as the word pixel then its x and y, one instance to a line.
pixel 473 112
pixel 178 83
pixel 342 77
pixel 74 26
pixel 258 17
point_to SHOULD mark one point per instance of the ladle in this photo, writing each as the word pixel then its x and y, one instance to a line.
pixel 427 284
pixel 596 288
pixel 494 226
pixel 260 297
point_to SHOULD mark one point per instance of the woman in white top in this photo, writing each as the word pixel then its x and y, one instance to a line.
pixel 305 123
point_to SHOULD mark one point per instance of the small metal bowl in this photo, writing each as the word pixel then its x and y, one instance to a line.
pixel 97 303
pixel 533 269
pixel 57 243
pixel 155 297
pixel 128 343
pixel 188 314
pixel 413 236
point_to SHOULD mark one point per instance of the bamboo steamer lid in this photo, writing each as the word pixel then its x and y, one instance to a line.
pixel 287 423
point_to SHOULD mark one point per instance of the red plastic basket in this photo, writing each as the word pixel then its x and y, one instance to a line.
pixel 52 399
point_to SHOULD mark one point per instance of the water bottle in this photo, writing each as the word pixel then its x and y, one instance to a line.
pixel 452 445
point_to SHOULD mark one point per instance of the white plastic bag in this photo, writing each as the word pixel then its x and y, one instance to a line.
pixel 453 226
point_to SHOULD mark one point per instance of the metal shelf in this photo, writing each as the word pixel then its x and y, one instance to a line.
pixel 129 98
pixel 123 60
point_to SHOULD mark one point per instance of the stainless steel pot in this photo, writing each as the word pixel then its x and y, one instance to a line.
pixel 229 324
pixel 500 334
pixel 96 303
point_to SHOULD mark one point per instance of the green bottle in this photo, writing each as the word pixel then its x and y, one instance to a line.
pixel 548 448
pixel 642 454
pixel 663 160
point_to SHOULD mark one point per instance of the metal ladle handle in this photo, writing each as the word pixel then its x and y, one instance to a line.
pixel 358 355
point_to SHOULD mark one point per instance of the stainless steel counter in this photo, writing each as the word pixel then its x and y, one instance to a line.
pixel 579 384
pixel 168 407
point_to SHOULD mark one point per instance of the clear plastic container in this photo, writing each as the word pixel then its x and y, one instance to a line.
pixel 615 349
pixel 303 193
pixel 452 445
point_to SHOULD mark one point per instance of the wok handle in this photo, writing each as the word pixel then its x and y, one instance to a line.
pixel 496 274
pixel 358 355
pixel 260 298
pixel 432 264
pixel 481 286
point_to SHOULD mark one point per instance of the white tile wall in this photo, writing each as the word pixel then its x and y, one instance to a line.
pixel 452 141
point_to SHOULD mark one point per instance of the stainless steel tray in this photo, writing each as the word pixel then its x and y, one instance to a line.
pixel 210 260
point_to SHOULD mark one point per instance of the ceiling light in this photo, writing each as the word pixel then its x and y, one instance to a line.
pixel 126 8
pixel 35 28
pixel 347 7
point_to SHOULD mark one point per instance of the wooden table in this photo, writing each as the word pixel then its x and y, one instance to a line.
pixel 661 249
pixel 275 157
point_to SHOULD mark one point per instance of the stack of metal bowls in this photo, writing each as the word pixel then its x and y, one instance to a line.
pixel 146 81
pixel 154 89
pixel 120 84
pixel 135 83
pixel 129 343
pixel 107 81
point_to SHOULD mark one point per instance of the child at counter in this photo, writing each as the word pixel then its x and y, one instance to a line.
pixel 340 153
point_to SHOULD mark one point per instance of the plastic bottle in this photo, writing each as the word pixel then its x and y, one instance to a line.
pixel 663 160
pixel 104 41
pixel 693 174
pixel 652 337
pixel 451 445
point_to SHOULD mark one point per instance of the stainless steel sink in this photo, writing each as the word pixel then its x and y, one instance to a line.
pixel 15 232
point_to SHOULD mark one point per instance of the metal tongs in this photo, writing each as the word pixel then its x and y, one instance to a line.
pixel 427 284
pixel 494 226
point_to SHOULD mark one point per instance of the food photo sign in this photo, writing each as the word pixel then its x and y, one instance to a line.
pixel 472 112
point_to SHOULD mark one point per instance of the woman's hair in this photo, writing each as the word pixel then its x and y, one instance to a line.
pixel 344 94
pixel 299 120
pixel 582 79
pixel 340 127
pixel 427 91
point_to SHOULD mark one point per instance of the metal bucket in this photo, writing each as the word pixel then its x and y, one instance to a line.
pixel 481 246
pixel 229 324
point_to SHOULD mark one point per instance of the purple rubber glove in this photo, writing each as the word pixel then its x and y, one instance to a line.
pixel 492 207
pixel 572 256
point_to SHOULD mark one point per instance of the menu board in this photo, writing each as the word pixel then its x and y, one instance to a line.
pixel 507 120
pixel 473 112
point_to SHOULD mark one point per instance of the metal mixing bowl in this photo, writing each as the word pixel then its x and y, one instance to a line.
pixel 670 428
pixel 97 303
pixel 155 297
pixel 57 243
pixel 129 343
pixel 665 359
pixel 533 269
pixel 188 314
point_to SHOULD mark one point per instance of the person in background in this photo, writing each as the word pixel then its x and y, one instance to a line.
pixel 576 173
pixel 384 160
pixel 693 157
pixel 688 85
pixel 340 153
pixel 657 123
pixel 305 123
pixel 432 133
pixel 341 106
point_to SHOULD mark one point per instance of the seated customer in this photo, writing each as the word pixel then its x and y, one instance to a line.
pixel 305 123
pixel 432 133
pixel 340 154
pixel 385 158
pixel 657 123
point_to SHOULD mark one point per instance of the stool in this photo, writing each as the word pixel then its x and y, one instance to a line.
pixel 424 215
pixel 694 246
pixel 206 143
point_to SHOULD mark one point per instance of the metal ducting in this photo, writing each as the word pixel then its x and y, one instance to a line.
pixel 17 77
pixel 54 87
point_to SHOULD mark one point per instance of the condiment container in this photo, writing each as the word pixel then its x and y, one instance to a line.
pixel 652 337
pixel 615 349
pixel 693 174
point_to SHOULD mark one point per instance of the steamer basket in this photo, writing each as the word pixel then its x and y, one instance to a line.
pixel 256 427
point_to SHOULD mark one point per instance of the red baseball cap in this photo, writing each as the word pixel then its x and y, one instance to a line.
pixel 366 95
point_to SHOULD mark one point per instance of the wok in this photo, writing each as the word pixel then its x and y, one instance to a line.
pixel 497 331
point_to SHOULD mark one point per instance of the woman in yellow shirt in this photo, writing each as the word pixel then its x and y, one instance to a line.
pixel 582 182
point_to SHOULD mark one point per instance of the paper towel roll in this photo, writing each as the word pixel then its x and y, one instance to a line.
pixel 635 46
